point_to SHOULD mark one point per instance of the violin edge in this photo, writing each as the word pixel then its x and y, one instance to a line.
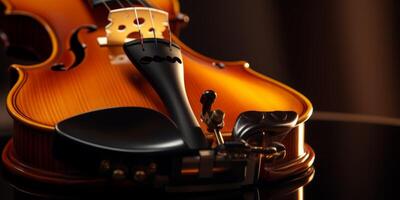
pixel 295 167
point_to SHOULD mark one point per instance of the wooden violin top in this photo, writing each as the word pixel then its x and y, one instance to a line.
pixel 41 97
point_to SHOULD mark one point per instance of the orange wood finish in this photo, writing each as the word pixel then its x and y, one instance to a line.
pixel 41 97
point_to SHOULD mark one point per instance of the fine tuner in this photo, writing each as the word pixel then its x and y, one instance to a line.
pixel 267 127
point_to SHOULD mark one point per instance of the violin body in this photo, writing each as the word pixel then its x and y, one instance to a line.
pixel 77 79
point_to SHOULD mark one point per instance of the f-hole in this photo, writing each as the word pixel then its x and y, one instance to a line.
pixel 76 47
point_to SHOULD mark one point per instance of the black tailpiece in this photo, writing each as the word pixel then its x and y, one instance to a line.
pixel 161 63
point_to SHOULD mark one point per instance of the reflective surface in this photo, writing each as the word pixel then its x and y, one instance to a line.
pixel 354 161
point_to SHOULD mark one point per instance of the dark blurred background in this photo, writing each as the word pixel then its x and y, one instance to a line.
pixel 342 54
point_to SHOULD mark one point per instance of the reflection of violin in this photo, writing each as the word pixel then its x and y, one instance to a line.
pixel 291 190
pixel 86 106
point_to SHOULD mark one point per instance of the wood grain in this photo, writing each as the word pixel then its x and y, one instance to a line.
pixel 42 97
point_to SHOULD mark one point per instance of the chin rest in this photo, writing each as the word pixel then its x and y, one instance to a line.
pixel 131 130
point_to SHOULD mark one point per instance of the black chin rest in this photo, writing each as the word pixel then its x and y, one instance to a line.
pixel 131 130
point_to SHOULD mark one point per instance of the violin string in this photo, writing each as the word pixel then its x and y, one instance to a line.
pixel 105 4
pixel 129 2
pixel 144 3
pixel 170 36
pixel 138 26
pixel 152 26
pixel 141 2
pixel 120 4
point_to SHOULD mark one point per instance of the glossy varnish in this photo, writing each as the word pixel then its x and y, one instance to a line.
pixel 42 97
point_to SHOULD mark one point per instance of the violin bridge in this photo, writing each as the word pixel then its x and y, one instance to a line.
pixel 127 24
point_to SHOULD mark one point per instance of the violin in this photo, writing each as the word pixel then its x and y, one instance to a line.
pixel 122 100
